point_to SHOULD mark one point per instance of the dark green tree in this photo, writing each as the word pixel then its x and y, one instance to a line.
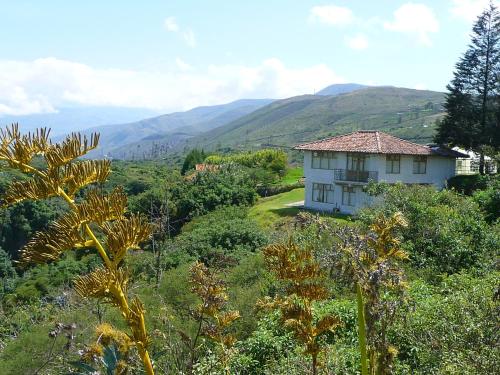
pixel 194 157
pixel 7 272
pixel 472 103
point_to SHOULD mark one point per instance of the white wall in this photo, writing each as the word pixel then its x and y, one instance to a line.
pixel 438 170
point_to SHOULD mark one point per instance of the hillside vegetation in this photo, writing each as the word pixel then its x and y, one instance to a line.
pixel 406 113
pixel 217 279
pixel 148 138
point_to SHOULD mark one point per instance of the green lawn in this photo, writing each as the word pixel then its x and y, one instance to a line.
pixel 292 176
pixel 271 210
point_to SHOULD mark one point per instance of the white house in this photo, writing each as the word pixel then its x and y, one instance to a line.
pixel 470 164
pixel 336 169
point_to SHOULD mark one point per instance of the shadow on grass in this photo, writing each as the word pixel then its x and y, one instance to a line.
pixel 293 211
pixel 286 211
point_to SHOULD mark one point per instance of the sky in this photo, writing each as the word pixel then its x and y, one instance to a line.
pixel 178 54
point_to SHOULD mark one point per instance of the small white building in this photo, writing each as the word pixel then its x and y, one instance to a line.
pixel 470 164
pixel 336 169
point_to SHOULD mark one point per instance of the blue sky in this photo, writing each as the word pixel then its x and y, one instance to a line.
pixel 174 55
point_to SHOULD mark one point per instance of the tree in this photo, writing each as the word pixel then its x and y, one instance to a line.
pixel 194 157
pixel 7 272
pixel 472 103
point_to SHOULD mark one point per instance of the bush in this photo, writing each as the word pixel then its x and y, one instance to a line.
pixel 451 328
pixel 207 191
pixel 224 233
pixel 274 161
pixel 489 201
pixel 468 184
pixel 44 279
pixel 446 233
pixel 267 344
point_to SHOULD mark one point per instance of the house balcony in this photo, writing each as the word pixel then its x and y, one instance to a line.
pixel 347 175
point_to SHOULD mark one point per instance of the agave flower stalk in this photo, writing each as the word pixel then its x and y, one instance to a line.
pixel 304 282
pixel 371 261
pixel 97 220
pixel 212 313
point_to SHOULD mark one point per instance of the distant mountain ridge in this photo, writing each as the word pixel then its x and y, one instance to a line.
pixel 406 113
pixel 132 140
pixel 256 123
pixel 68 119
pixel 341 88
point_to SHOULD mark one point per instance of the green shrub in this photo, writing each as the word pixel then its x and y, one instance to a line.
pixel 271 160
pixel 207 191
pixel 194 157
pixel 489 200
pixel 446 231
pixel 226 232
pixel 268 343
pixel 468 184
pixel 269 190
pixel 451 328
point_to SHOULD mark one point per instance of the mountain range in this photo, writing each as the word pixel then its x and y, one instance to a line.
pixel 407 113
pixel 256 123
pixel 77 118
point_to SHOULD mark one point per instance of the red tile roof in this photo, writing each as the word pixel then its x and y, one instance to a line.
pixel 368 141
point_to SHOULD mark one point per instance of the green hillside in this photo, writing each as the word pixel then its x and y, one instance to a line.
pixel 406 113
pixel 145 138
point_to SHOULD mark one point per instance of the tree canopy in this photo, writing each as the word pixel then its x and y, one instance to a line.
pixel 472 103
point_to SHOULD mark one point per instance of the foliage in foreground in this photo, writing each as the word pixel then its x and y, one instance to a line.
pixel 304 286
pixel 64 177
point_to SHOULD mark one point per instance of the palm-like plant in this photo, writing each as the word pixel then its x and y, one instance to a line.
pixel 97 220
pixel 371 261
pixel 304 286
pixel 212 313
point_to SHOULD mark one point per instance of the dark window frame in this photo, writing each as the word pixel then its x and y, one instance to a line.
pixel 393 164
pixel 356 161
pixel 348 195
pixel 420 164
pixel 323 156
pixel 324 188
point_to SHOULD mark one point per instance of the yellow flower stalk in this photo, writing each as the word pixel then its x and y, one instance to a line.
pixel 96 215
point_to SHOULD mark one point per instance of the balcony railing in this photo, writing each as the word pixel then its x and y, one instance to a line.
pixel 355 176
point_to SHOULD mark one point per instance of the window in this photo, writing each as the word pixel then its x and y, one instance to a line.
pixel 323 160
pixel 392 164
pixel 419 164
pixel 323 193
pixel 348 195
pixel 356 162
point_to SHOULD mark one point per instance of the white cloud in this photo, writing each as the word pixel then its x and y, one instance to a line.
pixel 43 85
pixel 189 37
pixel 187 34
pixel 469 10
pixel 171 24
pixel 182 65
pixel 331 15
pixel 357 42
pixel 420 86
pixel 414 19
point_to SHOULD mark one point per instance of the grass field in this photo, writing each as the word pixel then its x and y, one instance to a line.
pixel 271 210
pixel 292 176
